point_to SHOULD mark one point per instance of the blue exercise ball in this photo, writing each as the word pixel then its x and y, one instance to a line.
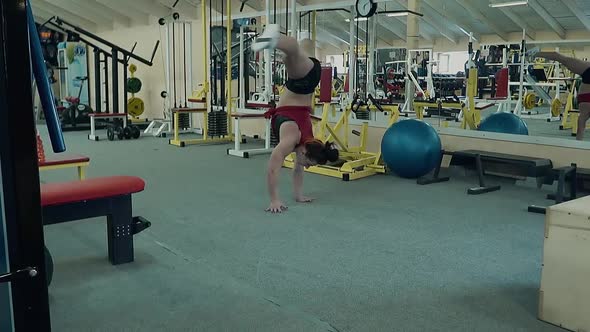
pixel 411 148
pixel 506 123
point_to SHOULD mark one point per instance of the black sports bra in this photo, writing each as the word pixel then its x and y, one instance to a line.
pixel 307 84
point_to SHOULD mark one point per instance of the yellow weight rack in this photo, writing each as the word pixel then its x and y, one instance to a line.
pixel 356 162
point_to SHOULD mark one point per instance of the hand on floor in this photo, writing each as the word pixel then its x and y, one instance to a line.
pixel 276 207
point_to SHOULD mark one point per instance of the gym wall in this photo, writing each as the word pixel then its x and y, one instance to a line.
pixel 153 78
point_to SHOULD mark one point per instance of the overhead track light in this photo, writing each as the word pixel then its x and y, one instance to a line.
pixel 396 14
pixel 509 4
pixel 358 19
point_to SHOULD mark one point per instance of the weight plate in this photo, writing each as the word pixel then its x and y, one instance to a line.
pixel 135 132
pixel 133 85
pixel 555 107
pixel 119 132
pixel 529 100
pixel 135 106
pixel 110 134
pixel 127 133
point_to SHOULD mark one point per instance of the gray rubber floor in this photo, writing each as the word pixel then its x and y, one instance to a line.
pixel 377 254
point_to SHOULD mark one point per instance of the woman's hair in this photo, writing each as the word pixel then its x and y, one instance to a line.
pixel 321 153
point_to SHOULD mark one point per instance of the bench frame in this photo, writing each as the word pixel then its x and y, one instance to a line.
pixel 237 150
pixel 479 157
pixel 81 166
pixel 562 175
pixel 92 136
pixel 177 141
pixel 121 225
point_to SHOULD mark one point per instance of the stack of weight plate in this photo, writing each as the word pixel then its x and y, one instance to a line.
pixel 363 115
pixel 217 124
pixel 274 140
pixel 184 121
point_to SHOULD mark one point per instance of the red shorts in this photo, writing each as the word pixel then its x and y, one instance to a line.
pixel 584 98
pixel 299 114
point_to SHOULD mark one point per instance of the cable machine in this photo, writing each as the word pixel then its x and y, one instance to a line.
pixel 213 99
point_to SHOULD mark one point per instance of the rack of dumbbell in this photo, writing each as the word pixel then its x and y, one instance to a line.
pixel 395 84
pixel 115 130
pixel 447 85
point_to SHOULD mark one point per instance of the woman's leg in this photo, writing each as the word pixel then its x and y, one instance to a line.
pixel 582 119
pixel 296 61
pixel 577 66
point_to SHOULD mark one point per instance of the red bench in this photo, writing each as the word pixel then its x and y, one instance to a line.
pixel 98 197
pixel 60 161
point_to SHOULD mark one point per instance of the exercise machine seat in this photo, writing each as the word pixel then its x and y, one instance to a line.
pixel 63 160
pixel 91 189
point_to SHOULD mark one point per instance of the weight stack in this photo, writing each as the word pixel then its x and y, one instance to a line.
pixel 217 124
pixel 274 140
pixel 363 115
pixel 184 121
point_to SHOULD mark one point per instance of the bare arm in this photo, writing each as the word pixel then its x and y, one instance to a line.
pixel 289 136
pixel 298 181
pixel 280 152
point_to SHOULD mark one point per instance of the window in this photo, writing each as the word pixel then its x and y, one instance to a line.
pixel 337 61
pixel 450 62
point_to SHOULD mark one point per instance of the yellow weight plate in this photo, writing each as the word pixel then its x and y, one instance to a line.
pixel 135 106
pixel 529 100
pixel 556 107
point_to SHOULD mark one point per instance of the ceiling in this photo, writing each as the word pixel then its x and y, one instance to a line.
pixel 446 20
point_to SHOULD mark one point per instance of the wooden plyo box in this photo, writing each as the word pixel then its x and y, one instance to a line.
pixel 564 298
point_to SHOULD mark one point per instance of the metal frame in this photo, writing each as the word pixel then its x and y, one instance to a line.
pixel 92 136
pixel 358 162
pixel 562 175
pixel 20 174
pixel 205 92
pixel 237 150
pixel 121 225
pixel 80 166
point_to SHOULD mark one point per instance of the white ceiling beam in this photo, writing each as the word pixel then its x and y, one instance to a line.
pixel 104 12
pixel 392 27
pixel 302 8
pixel 362 30
pixel 41 15
pixel 467 4
pixel 184 8
pixel 150 7
pixel 65 14
pixel 530 32
pixel 423 28
pixel 73 6
pixel 430 6
pixel 340 33
pixel 124 9
pixel 548 18
pixel 254 4
pixel 441 29
pixel 331 39
pixel 574 8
